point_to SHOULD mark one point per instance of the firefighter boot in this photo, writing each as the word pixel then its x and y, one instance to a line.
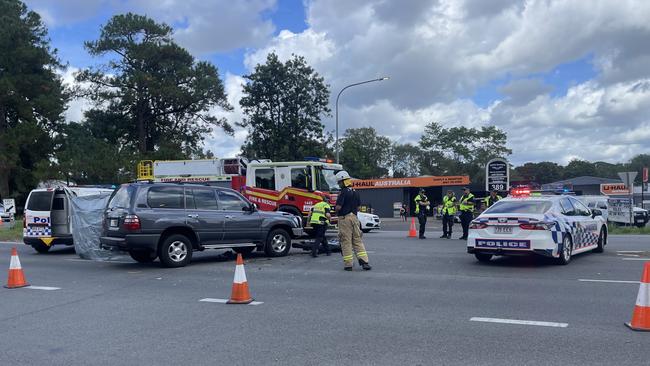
pixel 365 265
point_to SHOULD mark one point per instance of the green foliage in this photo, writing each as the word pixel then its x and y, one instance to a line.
pixel 461 150
pixel 542 172
pixel 628 230
pixel 151 95
pixel 32 99
pixel 579 168
pixel 283 104
pixel 364 154
pixel 405 160
pixel 12 234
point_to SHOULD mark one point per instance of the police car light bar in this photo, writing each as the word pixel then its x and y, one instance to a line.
pixel 322 160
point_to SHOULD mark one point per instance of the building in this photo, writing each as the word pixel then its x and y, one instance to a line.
pixel 385 196
pixel 585 185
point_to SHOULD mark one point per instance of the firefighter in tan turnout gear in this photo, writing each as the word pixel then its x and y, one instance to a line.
pixel 347 205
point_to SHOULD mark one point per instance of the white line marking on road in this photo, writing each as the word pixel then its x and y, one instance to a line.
pixel 92 261
pixel 44 288
pixel 606 281
pixel 636 259
pixel 519 322
pixel 225 301
pixel 629 255
pixel 629 251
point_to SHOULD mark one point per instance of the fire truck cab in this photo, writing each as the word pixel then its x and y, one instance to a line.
pixel 293 187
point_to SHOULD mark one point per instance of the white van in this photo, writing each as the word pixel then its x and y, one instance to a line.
pixel 47 216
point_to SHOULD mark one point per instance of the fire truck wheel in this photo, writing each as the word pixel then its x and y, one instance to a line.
pixel 291 210
pixel 278 243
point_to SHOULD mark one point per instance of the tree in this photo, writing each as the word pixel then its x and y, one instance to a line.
pixel 157 97
pixel 540 173
pixel 461 150
pixel 405 160
pixel 637 164
pixel 32 98
pixel 364 154
pixel 283 104
pixel 579 168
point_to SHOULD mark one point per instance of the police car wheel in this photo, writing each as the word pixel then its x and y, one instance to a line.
pixel 41 248
pixel 365 230
pixel 567 249
pixel 483 257
pixel 602 241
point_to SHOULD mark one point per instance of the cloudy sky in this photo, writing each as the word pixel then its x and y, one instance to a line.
pixel 564 78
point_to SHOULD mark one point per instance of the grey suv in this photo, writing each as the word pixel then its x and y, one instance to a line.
pixel 170 221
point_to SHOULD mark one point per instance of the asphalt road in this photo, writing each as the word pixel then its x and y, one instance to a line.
pixel 413 308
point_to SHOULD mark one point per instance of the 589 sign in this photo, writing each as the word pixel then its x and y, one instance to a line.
pixel 497 175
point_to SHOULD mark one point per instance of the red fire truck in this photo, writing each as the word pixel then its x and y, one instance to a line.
pixel 273 186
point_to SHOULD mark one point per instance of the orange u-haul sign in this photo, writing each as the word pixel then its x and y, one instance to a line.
pixel 610 189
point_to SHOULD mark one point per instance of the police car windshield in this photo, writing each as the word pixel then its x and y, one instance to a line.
pixel 519 207
pixel 326 180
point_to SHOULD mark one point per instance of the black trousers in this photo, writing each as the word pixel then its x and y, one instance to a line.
pixel 447 224
pixel 422 219
pixel 319 238
pixel 465 219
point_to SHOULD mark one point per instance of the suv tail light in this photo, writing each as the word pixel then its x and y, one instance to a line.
pixel 131 222
pixel 535 226
pixel 478 225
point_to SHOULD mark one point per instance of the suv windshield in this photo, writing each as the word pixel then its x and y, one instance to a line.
pixel 326 181
pixel 524 207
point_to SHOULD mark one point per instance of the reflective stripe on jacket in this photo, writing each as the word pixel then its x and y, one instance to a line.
pixel 319 213
pixel 449 205
pixel 466 203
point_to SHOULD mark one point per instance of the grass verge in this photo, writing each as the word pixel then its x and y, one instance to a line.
pixel 13 234
pixel 630 230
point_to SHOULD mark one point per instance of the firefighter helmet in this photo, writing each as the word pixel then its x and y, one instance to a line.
pixel 342 175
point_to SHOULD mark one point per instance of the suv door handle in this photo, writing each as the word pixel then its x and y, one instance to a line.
pixel 193 216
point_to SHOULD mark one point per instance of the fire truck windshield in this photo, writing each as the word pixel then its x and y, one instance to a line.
pixel 326 181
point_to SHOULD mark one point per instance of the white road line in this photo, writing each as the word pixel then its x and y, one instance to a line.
pixel 224 301
pixel 607 281
pixel 636 259
pixel 44 288
pixel 92 261
pixel 519 322
pixel 629 251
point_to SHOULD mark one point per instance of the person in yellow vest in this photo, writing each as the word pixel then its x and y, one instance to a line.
pixel 319 218
pixel 491 199
pixel 448 210
pixel 466 208
pixel 421 207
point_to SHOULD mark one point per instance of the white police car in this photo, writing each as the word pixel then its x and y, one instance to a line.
pixel 556 226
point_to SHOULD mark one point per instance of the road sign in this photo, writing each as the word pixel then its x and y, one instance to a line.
pixel 619 210
pixel 9 205
pixel 497 175
pixel 645 175
pixel 614 189
pixel 627 178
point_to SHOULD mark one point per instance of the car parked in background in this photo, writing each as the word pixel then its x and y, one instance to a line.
pixel 641 216
pixel 171 221
pixel 368 222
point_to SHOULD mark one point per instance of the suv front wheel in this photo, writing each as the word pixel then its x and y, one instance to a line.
pixel 175 251
pixel 278 243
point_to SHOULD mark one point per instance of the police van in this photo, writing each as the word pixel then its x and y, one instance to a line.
pixel 47 216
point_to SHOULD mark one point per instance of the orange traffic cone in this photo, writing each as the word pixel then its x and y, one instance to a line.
pixel 240 294
pixel 412 232
pixel 16 276
pixel 641 316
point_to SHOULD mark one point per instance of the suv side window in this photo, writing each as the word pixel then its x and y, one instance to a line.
pixel 299 178
pixel 230 201
pixel 567 207
pixel 201 199
pixel 264 178
pixel 165 197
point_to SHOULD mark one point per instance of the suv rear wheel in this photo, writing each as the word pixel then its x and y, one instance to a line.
pixel 175 251
pixel 143 256
pixel 278 243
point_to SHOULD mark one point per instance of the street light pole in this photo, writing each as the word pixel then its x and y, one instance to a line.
pixel 337 110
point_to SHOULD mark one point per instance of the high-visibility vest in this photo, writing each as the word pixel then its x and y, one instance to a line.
pixel 489 201
pixel 319 213
pixel 417 204
pixel 465 203
pixel 449 205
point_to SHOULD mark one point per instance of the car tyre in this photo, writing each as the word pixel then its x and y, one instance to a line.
pixel 365 230
pixel 175 251
pixel 143 256
pixel 244 250
pixel 602 241
pixel 483 257
pixel 567 250
pixel 278 243
pixel 41 248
